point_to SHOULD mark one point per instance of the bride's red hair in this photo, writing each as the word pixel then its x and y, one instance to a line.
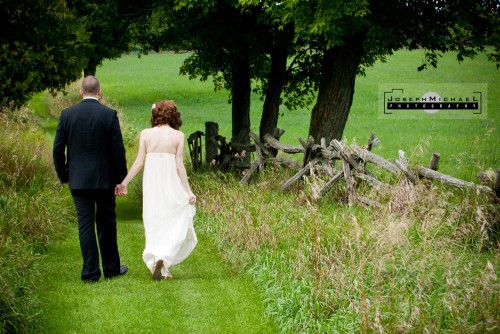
pixel 165 112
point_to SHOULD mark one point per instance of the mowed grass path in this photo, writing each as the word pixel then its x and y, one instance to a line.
pixel 205 296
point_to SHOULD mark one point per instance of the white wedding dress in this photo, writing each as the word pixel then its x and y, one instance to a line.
pixel 167 214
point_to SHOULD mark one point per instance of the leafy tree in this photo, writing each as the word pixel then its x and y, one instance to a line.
pixel 351 34
pixel 223 42
pixel 293 47
pixel 41 45
pixel 234 45
pixel 106 25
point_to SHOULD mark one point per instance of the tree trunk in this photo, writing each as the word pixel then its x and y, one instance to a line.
pixel 336 90
pixel 90 69
pixel 276 80
pixel 241 89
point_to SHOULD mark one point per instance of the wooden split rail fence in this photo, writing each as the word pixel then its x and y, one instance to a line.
pixel 354 160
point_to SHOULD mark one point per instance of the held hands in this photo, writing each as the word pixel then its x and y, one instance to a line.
pixel 121 190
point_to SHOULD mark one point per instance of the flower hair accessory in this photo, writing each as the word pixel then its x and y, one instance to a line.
pixel 153 107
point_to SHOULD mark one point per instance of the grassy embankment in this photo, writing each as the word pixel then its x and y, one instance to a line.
pixel 33 209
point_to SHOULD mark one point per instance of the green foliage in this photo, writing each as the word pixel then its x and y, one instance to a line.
pixel 466 27
pixel 43 49
pixel 106 27
pixel 50 42
pixel 247 30
pixel 32 210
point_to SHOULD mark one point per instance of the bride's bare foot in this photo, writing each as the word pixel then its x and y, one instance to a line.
pixel 157 270
pixel 168 275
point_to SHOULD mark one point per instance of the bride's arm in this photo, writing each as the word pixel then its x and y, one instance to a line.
pixel 181 169
pixel 136 166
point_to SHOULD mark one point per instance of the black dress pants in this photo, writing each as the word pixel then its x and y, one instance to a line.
pixel 96 211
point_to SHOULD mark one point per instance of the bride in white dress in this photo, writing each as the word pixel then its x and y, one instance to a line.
pixel 168 202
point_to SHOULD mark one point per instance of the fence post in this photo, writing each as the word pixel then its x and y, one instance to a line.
pixel 194 143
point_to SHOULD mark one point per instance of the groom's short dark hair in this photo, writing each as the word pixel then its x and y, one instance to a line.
pixel 90 85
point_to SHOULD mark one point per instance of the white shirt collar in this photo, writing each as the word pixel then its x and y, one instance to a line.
pixel 90 97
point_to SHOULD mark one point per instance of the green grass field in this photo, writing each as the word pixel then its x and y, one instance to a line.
pixel 465 145
pixel 269 261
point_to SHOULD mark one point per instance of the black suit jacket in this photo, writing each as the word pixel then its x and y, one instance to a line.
pixel 88 147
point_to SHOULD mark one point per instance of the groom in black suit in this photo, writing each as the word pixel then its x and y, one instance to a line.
pixel 93 164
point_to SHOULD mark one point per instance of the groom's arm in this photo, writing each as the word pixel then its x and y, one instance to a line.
pixel 58 153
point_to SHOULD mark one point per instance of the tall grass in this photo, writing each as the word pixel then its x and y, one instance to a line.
pixel 32 212
pixel 416 266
